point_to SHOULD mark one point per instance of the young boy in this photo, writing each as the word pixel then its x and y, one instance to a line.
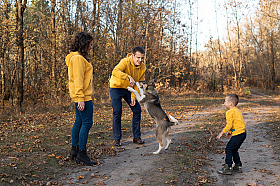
pixel 235 130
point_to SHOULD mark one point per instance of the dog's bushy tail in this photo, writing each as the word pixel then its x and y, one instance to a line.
pixel 174 121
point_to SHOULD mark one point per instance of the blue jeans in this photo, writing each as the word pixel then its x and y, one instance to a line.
pixel 232 149
pixel 83 123
pixel 116 97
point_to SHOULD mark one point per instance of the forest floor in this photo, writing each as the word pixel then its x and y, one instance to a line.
pixel 186 162
pixel 34 148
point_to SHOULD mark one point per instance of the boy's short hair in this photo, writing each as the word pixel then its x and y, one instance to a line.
pixel 233 98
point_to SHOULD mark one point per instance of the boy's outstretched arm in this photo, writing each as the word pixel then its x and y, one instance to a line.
pixel 220 135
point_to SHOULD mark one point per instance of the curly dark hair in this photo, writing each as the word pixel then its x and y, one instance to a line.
pixel 81 43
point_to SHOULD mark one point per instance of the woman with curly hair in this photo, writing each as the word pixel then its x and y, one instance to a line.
pixel 80 89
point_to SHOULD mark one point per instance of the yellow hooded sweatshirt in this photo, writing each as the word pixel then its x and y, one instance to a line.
pixel 124 70
pixel 80 77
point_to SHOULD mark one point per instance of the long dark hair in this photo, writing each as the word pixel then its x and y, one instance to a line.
pixel 81 43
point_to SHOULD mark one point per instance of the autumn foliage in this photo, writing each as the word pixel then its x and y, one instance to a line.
pixel 35 38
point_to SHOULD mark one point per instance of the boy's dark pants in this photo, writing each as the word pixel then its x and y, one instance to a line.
pixel 232 149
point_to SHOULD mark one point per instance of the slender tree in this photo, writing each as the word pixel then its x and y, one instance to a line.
pixel 53 41
pixel 21 5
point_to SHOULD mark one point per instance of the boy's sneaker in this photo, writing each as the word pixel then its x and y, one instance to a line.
pixel 225 170
pixel 237 168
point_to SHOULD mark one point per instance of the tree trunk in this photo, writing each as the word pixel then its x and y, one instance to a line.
pixel 190 41
pixel 272 62
pixel 239 62
pixel 93 26
pixel 4 40
pixel 118 33
pixel 20 10
pixel 53 40
pixel 147 31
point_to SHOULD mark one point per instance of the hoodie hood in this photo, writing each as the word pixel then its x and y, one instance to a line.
pixel 129 55
pixel 68 57
pixel 129 59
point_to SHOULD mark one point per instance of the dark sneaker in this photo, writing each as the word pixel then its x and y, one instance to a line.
pixel 118 143
pixel 237 168
pixel 225 170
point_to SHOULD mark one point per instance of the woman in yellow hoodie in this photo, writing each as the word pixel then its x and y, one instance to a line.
pixel 80 89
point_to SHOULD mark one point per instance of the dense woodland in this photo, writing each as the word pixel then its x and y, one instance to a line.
pixel 35 37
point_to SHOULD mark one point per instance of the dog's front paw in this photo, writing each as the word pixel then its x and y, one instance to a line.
pixel 155 152
pixel 138 85
pixel 130 89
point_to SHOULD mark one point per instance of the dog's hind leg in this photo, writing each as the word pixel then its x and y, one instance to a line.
pixel 160 144
pixel 168 141
pixel 159 149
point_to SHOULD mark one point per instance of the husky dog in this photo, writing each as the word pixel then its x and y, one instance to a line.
pixel 149 97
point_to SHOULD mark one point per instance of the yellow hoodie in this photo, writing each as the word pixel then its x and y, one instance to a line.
pixel 235 122
pixel 80 77
pixel 124 70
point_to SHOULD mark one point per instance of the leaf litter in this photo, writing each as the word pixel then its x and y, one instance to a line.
pixel 44 141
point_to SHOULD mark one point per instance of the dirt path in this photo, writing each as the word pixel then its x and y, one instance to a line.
pixel 260 165
pixel 127 168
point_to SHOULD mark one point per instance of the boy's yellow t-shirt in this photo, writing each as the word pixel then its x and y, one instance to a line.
pixel 235 122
